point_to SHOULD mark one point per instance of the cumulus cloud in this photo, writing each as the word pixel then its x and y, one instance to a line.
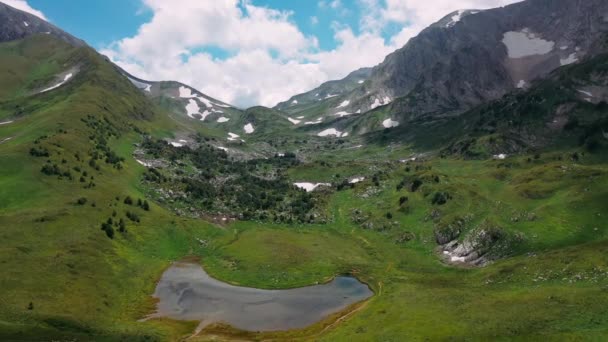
pixel 24 6
pixel 267 57
pixel 415 15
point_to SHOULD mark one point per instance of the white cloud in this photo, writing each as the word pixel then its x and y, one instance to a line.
pixel 314 20
pixel 333 4
pixel 24 6
pixel 416 15
pixel 269 58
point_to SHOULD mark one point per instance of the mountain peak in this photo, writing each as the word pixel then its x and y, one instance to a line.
pixel 16 24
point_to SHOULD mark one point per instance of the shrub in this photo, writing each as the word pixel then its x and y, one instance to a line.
pixel 146 206
pixel 128 200
pixel 39 152
pixel 122 226
pixel 441 198
pixel 50 170
pixel 416 185
pixel 106 227
pixel 133 216
pixel 403 199
pixel 81 201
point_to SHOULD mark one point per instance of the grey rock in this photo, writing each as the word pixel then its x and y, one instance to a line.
pixel 16 24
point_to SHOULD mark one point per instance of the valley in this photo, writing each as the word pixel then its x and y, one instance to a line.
pixel 483 220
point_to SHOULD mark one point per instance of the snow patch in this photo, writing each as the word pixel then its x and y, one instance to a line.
pixel 233 137
pixel 192 108
pixel 185 92
pixel 223 119
pixel 501 156
pixel 344 104
pixel 318 121
pixel 26 24
pixel 525 43
pixel 357 180
pixel 295 102
pixel 205 114
pixel 210 104
pixel 248 128
pixel 342 113
pixel 330 96
pixel 176 144
pixel 521 84
pixel 389 123
pixel 332 131
pixel 569 60
pixel 294 121
pixel 454 257
pixel 6 122
pixel 376 104
pixel 222 148
pixel 309 187
pixel 143 163
pixel 205 101
pixel 586 93
pixel 65 79
pixel 140 85
pixel 565 47
pixel 361 82
pixel 455 18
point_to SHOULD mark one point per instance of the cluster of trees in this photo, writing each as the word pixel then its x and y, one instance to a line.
pixel 102 130
pixel 39 152
pixel 413 186
pixel 52 170
pixel 142 204
pixel 110 224
pixel 252 189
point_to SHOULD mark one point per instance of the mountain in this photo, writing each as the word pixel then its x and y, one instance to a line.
pixel 16 24
pixel 471 56
pixel 299 103
pixel 482 225
pixel 486 54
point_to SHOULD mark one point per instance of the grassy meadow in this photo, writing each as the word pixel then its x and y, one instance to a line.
pixel 64 278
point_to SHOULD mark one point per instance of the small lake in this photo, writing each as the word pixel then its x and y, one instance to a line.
pixel 186 292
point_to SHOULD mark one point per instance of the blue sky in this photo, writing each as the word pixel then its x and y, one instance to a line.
pixel 102 22
pixel 246 52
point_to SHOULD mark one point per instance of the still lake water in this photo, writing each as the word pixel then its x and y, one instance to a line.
pixel 186 292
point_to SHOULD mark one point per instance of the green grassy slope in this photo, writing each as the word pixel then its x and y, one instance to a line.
pixel 54 255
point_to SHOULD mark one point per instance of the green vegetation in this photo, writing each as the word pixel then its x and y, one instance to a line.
pixel 207 179
pixel 86 232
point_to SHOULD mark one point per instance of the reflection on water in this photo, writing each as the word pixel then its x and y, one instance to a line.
pixel 186 292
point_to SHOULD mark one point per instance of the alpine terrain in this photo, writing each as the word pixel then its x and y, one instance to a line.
pixel 456 191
